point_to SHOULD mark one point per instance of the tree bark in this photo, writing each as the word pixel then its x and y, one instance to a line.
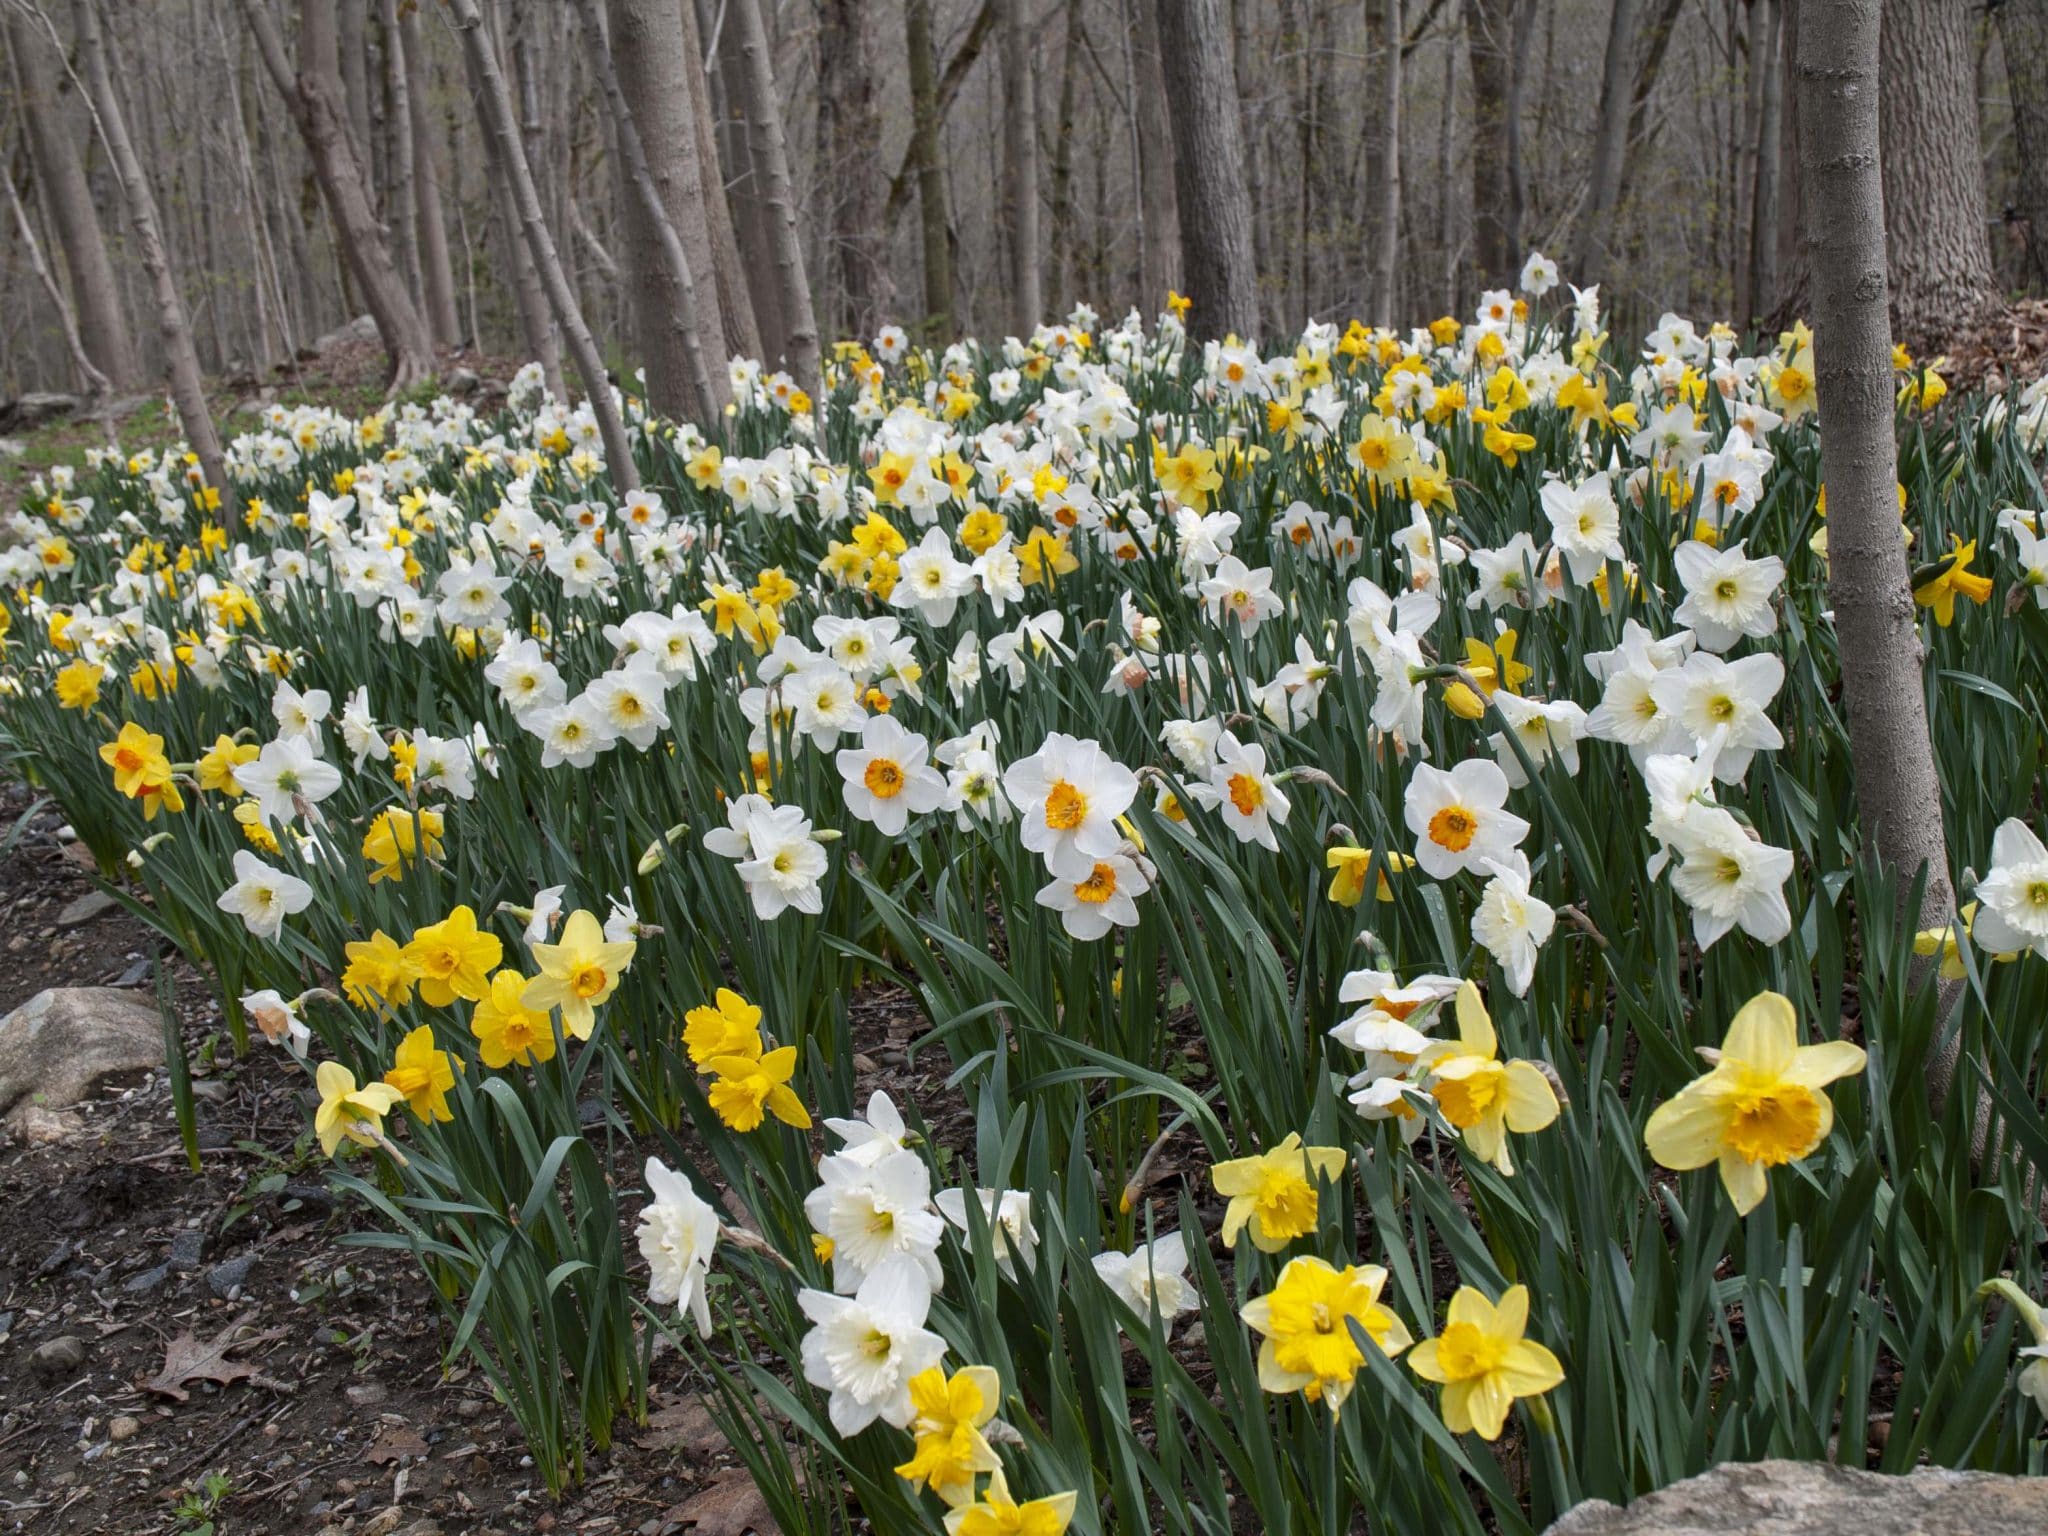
pixel 745 182
pixel 502 122
pixel 1208 161
pixel 312 95
pixel 2023 38
pixel 96 383
pixel 401 201
pixel 352 61
pixel 850 165
pixel 188 390
pixel 1387 238
pixel 1763 226
pixel 437 278
pixel 1488 25
pixel 1610 145
pixel 1161 270
pixel 1938 234
pixel 1020 167
pixel 536 326
pixel 769 155
pixel 53 150
pixel 735 297
pixel 931 173
pixel 667 302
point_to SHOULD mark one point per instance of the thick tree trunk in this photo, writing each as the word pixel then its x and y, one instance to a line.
pixel 53 150
pixel 667 301
pixel 2023 38
pixel 735 297
pixel 1938 234
pixel 1208 161
pixel 437 278
pixel 352 62
pixel 1020 167
pixel 1610 145
pixel 931 172
pixel 1162 269
pixel 1387 238
pixel 745 182
pixel 502 122
pixel 850 174
pixel 1488 28
pixel 768 154
pixel 313 95
pixel 188 390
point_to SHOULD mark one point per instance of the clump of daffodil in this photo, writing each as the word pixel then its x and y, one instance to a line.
pixel 1760 1106
pixel 423 1074
pixel 950 1449
pixel 1274 1193
pixel 1482 1096
pixel 350 1113
pixel 578 973
pixel 1483 1362
pixel 1304 1323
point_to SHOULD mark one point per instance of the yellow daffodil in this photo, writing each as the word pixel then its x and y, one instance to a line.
pixel 216 768
pixel 347 1111
pixel 1000 1515
pixel 380 974
pixel 1483 1361
pixel 77 684
pixel 578 973
pixel 731 1028
pixel 1481 1095
pixel 453 959
pixel 750 1088
pixel 1304 1324
pixel 950 1449
pixel 1760 1106
pixel 508 1032
pixel 1190 476
pixel 1274 1193
pixel 423 1075
pixel 1939 585
pixel 394 839
pixel 1942 941
pixel 141 769
pixel 1349 866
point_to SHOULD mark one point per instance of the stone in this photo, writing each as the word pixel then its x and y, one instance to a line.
pixel 87 908
pixel 61 1044
pixel 462 381
pixel 35 408
pixel 1793 1498
pixel 40 1127
pixel 188 1249
pixel 362 328
pixel 59 1356
pixel 227 1278
pixel 148 1280
pixel 125 1427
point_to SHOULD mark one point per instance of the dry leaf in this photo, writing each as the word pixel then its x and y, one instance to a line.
pixel 394 1442
pixel 683 1426
pixel 732 1506
pixel 187 1358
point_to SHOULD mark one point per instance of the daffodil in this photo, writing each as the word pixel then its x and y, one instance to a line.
pixel 1481 1095
pixel 216 767
pixel 396 839
pixel 2033 1377
pixel 1759 1107
pixel 1304 1324
pixel 141 769
pixel 380 974
pixel 749 1088
pixel 730 1028
pixel 1483 1361
pixel 998 1514
pixel 423 1074
pixel 507 1031
pixel 950 1449
pixel 454 959
pixel 578 973
pixel 347 1111
pixel 1274 1193
pixel 77 683
pixel 1938 586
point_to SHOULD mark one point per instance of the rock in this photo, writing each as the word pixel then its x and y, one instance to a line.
pixel 227 1278
pixel 1791 1498
pixel 40 1127
pixel 188 1249
pixel 62 1043
pixel 124 1427
pixel 461 381
pixel 148 1280
pixel 86 908
pixel 59 1356
pixel 33 409
pixel 362 328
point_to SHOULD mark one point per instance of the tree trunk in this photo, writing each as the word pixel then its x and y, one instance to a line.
pixel 1610 146
pixel 352 61
pixel 1488 25
pixel 188 391
pixel 536 327
pixel 850 164
pixel 53 150
pixel 1387 238
pixel 735 298
pixel 667 302
pixel 402 202
pixel 769 155
pixel 1208 162
pixel 2023 38
pixel 95 382
pixel 1898 789
pixel 502 122
pixel 745 181
pixel 1938 234
pixel 1763 227
pixel 1516 230
pixel 1020 167
pixel 312 96
pixel 931 173
pixel 437 279
pixel 1161 270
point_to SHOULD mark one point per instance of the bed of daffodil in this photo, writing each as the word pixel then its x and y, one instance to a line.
pixel 1367 827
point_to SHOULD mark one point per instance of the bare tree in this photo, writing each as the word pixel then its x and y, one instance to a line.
pixel 1160 268
pixel 95 382
pixel 437 279
pixel 312 92
pixel 735 295
pixel 1208 161
pixel 401 202
pixel 503 123
pixel 1020 167
pixel 2023 38
pixel 1610 143
pixel 769 156
pixel 53 150
pixel 850 172
pixel 1488 24
pixel 1386 294
pixel 931 170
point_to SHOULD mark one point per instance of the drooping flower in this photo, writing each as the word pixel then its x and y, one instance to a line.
pixel 1274 1192
pixel 1304 1324
pixel 678 1233
pixel 347 1111
pixel 750 1088
pixel 1760 1106
pixel 1483 1361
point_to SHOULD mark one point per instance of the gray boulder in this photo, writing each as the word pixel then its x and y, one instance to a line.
pixel 60 1045
pixel 1796 1498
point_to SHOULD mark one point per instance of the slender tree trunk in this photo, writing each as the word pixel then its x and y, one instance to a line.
pixel 1763 228
pixel 1162 270
pixel 1516 223
pixel 2023 38
pixel 312 94
pixel 1208 159
pixel 502 122
pixel 188 390
pixel 536 326
pixel 769 155
pixel 735 297
pixel 1488 27
pixel 437 280
pixel 96 383
pixel 745 179
pixel 352 62
pixel 850 164
pixel 53 149
pixel 957 69
pixel 1938 234
pixel 1020 167
pixel 1387 238
pixel 931 173
pixel 1610 145
pixel 667 300
pixel 402 199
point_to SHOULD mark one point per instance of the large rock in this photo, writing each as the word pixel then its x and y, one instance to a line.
pixel 1798 1498
pixel 34 409
pixel 60 1045
pixel 362 328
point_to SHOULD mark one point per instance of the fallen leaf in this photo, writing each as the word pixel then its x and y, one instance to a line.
pixel 187 1358
pixel 393 1443
pixel 732 1506
pixel 684 1426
